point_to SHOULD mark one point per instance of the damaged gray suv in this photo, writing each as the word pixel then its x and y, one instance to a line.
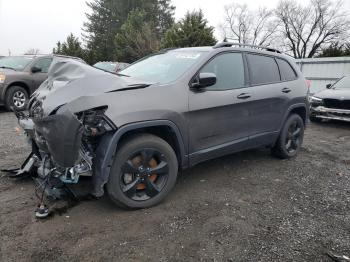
pixel 134 130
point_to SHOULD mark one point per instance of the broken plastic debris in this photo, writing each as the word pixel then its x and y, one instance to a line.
pixel 42 211
pixel 338 258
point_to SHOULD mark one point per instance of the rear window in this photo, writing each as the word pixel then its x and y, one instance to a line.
pixel 263 69
pixel 287 72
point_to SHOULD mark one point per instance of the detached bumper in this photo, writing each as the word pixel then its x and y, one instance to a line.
pixel 60 135
pixel 330 113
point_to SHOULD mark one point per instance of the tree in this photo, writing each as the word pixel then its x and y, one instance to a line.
pixel 190 31
pixel 335 50
pixel 307 29
pixel 248 26
pixel 32 51
pixel 71 47
pixel 137 37
pixel 108 16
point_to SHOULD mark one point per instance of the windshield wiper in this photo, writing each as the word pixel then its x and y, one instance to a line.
pixel 7 67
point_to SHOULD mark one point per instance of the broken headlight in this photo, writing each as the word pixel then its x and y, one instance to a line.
pixel 95 122
pixel 315 101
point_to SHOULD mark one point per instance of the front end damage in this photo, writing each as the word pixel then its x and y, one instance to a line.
pixel 64 148
pixel 330 109
pixel 68 128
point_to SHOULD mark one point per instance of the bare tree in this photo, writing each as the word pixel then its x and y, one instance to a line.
pixel 32 51
pixel 248 26
pixel 307 29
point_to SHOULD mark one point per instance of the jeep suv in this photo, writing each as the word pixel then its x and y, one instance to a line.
pixel 20 76
pixel 172 110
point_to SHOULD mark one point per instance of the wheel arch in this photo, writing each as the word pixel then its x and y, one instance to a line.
pixel 164 129
pixel 17 83
pixel 299 109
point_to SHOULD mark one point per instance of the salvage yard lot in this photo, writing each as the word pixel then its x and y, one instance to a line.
pixel 244 207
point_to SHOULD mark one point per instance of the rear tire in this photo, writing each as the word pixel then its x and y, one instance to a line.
pixel 16 97
pixel 290 139
pixel 143 173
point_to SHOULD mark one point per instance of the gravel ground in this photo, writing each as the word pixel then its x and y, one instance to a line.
pixel 244 207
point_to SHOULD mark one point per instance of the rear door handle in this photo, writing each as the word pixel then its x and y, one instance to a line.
pixel 286 90
pixel 244 96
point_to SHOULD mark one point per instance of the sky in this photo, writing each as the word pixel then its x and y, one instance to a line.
pixel 39 24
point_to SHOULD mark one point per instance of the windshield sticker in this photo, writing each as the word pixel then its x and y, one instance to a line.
pixel 188 55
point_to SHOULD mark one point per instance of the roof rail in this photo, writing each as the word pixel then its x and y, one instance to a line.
pixel 230 44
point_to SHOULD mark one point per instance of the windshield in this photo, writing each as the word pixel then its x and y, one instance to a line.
pixel 107 66
pixel 15 62
pixel 343 83
pixel 163 68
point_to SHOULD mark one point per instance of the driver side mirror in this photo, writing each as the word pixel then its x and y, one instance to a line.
pixel 35 69
pixel 328 86
pixel 204 80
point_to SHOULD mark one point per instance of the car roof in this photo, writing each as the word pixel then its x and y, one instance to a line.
pixel 234 47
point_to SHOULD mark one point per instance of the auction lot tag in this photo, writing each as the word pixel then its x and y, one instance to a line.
pixel 187 55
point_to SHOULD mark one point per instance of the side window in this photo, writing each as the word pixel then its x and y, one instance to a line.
pixel 229 71
pixel 287 72
pixel 43 64
pixel 263 69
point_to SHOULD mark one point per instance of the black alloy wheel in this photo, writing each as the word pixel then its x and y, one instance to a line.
pixel 143 173
pixel 290 139
pixel 293 138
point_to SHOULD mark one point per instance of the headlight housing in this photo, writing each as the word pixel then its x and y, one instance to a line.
pixel 2 78
pixel 316 101
pixel 95 122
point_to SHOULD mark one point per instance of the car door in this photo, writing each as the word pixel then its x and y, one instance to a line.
pixel 219 115
pixel 268 106
pixel 39 71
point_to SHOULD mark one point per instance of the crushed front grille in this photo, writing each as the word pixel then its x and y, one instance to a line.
pixel 337 103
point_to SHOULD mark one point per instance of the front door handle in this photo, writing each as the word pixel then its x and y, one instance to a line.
pixel 286 90
pixel 244 96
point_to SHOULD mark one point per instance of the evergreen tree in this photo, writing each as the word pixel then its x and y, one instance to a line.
pixel 108 16
pixel 71 47
pixel 190 31
pixel 137 38
pixel 335 50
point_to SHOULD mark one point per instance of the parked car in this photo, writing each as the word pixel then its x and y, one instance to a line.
pixel 20 76
pixel 111 66
pixel 169 111
pixel 332 103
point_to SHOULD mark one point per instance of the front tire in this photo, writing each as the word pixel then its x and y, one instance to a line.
pixel 16 98
pixel 143 173
pixel 290 139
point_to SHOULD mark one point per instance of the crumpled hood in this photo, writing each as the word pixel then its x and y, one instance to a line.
pixel 69 79
pixel 343 94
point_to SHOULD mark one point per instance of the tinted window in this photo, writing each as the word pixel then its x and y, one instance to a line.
pixel 43 64
pixel 263 69
pixel 287 72
pixel 229 71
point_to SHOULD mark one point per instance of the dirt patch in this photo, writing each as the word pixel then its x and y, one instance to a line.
pixel 244 207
